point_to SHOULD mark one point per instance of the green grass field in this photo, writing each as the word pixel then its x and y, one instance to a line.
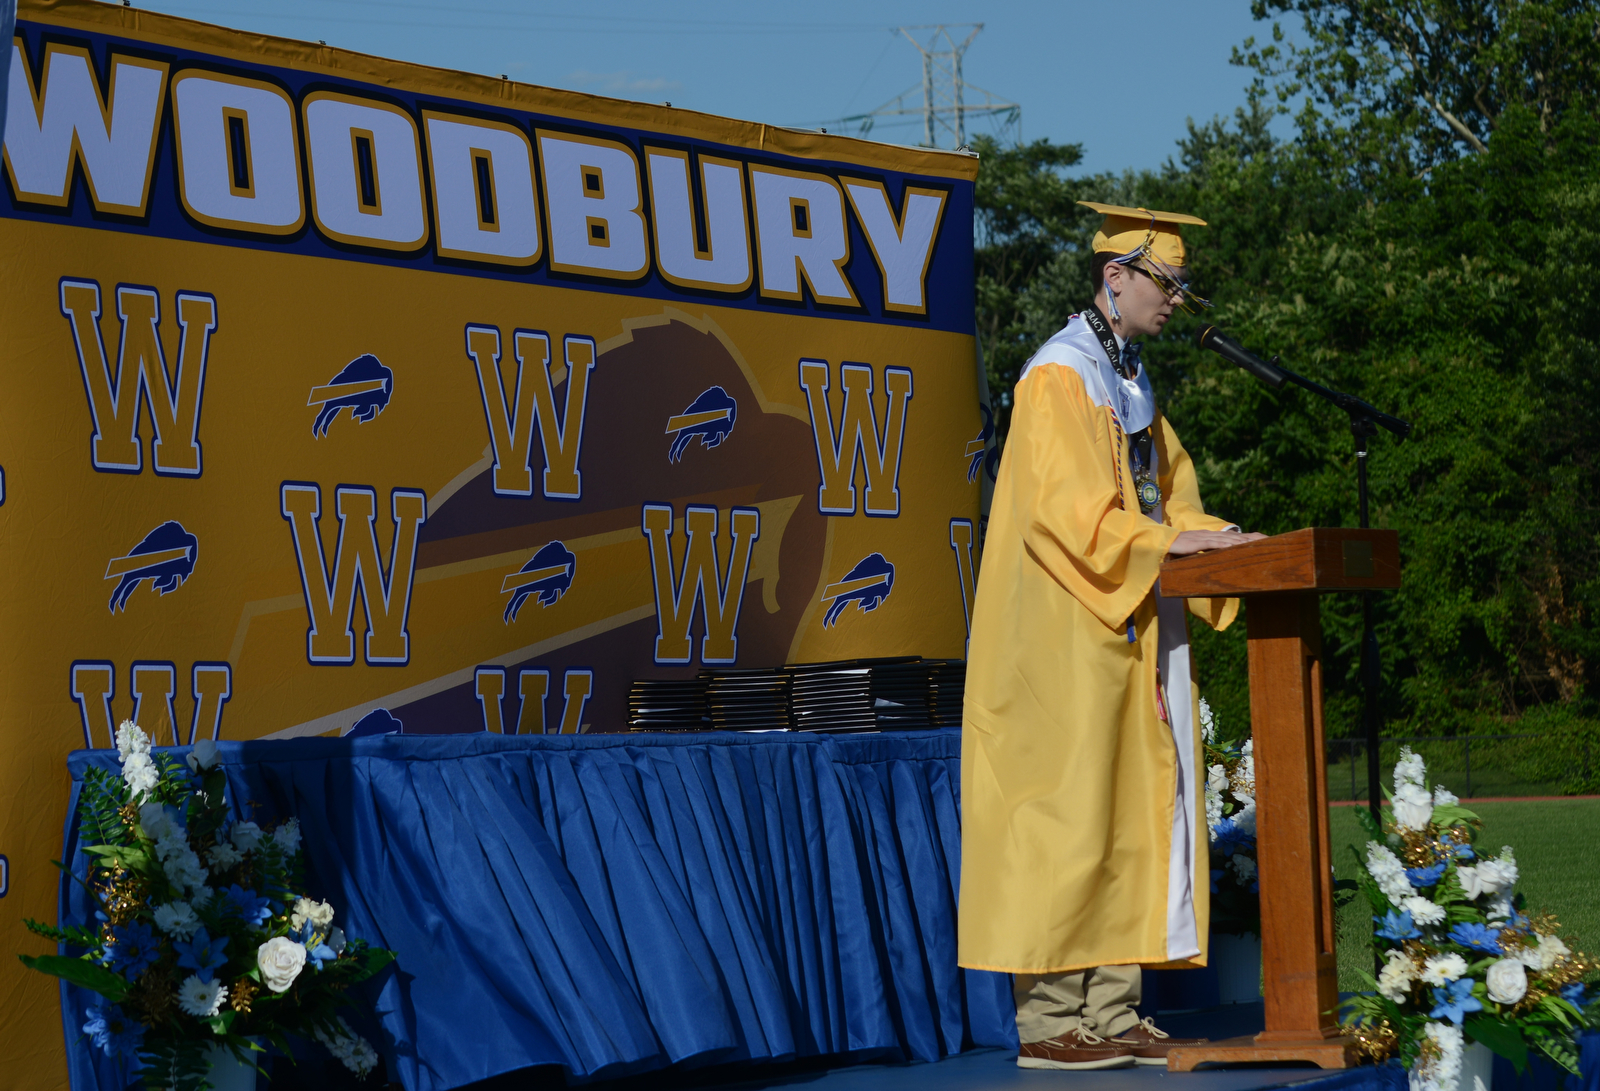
pixel 1557 845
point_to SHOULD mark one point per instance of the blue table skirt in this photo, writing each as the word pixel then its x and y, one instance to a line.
pixel 618 903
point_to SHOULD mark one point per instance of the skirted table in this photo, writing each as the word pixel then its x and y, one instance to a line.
pixel 618 903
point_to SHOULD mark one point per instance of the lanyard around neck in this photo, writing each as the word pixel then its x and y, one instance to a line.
pixel 1108 340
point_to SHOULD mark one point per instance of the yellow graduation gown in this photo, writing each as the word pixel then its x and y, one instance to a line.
pixel 1069 774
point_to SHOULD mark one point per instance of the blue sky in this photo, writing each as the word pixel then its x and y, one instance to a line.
pixel 1120 78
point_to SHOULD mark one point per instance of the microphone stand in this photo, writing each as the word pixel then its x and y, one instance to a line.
pixel 1364 424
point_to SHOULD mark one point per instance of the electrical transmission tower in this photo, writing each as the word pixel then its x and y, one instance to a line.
pixel 944 100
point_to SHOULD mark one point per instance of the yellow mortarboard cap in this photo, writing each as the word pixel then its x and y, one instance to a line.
pixel 1126 230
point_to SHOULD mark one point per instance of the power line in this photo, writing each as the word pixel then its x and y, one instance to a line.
pixel 943 101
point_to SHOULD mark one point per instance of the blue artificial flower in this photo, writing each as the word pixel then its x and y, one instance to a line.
pixel 1424 877
pixel 253 908
pixel 114 1032
pixel 1397 926
pixel 1471 934
pixel 1454 1000
pixel 1463 851
pixel 321 953
pixel 131 948
pixel 201 954
pixel 1574 994
pixel 1223 835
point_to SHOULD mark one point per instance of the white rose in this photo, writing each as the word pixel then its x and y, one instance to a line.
pixel 287 836
pixel 1443 968
pixel 1471 883
pixel 156 822
pixel 1499 874
pixel 281 959
pixel 203 755
pixel 177 919
pixel 1216 778
pixel 1424 911
pixel 1413 807
pixel 1507 981
pixel 246 836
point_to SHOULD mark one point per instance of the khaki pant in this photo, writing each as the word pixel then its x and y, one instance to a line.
pixel 1100 1000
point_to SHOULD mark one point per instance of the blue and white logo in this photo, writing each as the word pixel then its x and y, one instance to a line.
pixel 548 574
pixel 363 386
pixel 866 585
pixel 709 417
pixel 165 557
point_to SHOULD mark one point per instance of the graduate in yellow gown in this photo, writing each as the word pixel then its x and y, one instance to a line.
pixel 1084 844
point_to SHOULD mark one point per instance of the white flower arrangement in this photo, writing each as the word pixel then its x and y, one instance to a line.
pixel 1461 960
pixel 187 956
pixel 1230 799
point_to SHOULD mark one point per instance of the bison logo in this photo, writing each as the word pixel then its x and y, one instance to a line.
pixel 866 585
pixel 547 574
pixel 380 721
pixel 363 387
pixel 165 557
pixel 709 417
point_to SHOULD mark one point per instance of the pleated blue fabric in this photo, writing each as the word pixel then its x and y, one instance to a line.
pixel 619 903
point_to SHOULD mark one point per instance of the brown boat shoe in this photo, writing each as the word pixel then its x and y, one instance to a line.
pixel 1075 1049
pixel 1149 1043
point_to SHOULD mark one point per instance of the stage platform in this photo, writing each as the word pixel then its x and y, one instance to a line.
pixel 652 912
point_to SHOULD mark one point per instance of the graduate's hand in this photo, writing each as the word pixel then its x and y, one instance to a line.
pixel 1199 541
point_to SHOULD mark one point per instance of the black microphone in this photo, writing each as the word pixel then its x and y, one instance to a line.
pixel 1235 353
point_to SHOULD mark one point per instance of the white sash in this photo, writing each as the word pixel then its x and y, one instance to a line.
pixel 1076 346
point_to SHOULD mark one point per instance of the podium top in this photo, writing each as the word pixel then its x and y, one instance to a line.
pixel 1313 559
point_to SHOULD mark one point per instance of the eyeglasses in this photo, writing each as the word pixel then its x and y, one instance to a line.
pixel 1170 284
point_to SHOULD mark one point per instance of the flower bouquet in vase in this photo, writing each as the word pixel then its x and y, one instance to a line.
pixel 1464 966
pixel 1235 887
pixel 203 943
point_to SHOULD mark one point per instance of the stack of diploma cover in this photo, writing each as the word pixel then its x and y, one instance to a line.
pixel 947 682
pixel 860 695
pixel 674 705
pixel 747 700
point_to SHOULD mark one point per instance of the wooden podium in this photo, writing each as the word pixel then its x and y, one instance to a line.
pixel 1279 579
